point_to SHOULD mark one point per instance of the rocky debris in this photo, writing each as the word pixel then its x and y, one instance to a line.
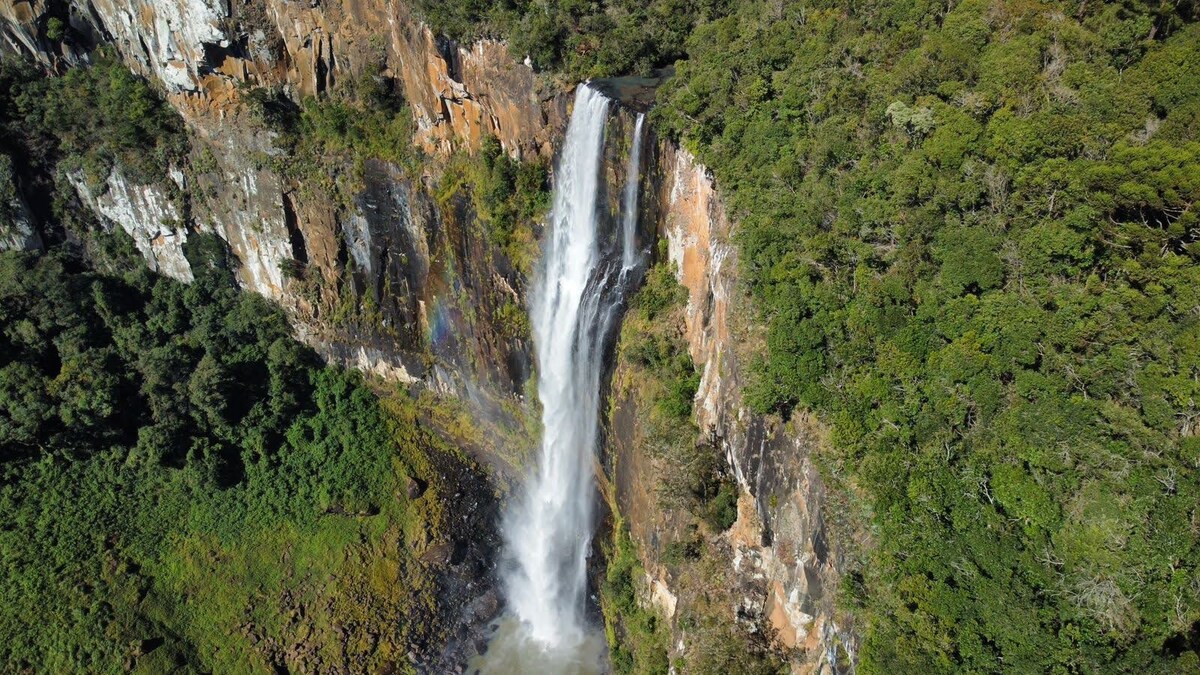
pixel 146 213
pixel 438 554
pixel 414 488
pixel 467 583
pixel 487 607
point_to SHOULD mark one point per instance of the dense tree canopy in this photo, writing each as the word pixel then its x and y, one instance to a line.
pixel 585 38
pixel 177 472
pixel 971 231
pixel 88 119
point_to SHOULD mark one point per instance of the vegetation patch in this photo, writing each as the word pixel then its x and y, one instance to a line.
pixel 89 119
pixel 509 198
pixel 185 487
pixel 324 140
pixel 654 355
pixel 637 638
pixel 585 40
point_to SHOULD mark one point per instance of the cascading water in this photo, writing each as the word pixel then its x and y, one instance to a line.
pixel 586 268
pixel 630 256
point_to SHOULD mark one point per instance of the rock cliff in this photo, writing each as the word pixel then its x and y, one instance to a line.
pixel 381 267
pixel 783 562
pixel 18 229
pixel 206 56
pixel 205 53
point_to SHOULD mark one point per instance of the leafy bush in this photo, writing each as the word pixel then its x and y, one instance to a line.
pixel 638 640
pixel 509 197
pixel 90 118
pixel 509 194
pixel 721 512
pixel 56 29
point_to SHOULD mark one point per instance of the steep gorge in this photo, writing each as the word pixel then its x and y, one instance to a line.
pixel 400 278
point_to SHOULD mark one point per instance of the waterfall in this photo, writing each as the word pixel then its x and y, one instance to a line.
pixel 630 256
pixel 576 302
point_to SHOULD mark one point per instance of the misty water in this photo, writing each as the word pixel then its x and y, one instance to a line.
pixel 587 267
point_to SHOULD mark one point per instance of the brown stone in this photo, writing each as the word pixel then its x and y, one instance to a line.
pixel 414 488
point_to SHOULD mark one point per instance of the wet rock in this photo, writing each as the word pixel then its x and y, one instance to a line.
pixel 488 606
pixel 438 554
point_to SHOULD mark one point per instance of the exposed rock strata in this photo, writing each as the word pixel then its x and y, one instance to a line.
pixel 146 214
pixel 206 54
pixel 18 231
pixel 786 568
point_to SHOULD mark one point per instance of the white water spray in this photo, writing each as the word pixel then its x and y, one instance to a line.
pixel 586 268
pixel 630 256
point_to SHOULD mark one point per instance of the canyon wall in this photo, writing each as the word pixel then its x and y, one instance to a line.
pixel 783 562
pixel 377 267
pixel 326 261
pixel 206 52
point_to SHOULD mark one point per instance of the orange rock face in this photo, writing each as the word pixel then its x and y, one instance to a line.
pixel 205 57
pixel 298 244
pixel 779 542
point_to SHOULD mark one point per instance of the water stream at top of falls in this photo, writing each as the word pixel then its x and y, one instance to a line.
pixel 587 266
